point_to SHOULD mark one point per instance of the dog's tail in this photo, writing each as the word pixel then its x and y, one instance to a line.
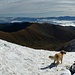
pixel 51 57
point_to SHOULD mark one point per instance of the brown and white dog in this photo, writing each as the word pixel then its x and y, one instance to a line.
pixel 58 57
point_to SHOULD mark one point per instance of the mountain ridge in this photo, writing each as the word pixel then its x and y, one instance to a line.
pixel 39 36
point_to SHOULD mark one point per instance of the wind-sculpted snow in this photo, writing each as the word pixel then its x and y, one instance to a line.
pixel 19 60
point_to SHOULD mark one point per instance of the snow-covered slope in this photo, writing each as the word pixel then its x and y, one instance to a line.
pixel 19 60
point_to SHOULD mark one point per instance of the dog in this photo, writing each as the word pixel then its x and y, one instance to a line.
pixel 58 57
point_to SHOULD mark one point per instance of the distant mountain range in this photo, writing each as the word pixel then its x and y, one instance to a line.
pixel 63 21
pixel 25 19
pixel 37 35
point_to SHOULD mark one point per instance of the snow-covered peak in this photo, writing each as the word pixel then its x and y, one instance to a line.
pixel 20 60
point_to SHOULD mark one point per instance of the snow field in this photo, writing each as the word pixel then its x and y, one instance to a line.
pixel 20 60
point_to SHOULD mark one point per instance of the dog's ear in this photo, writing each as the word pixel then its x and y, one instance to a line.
pixel 63 52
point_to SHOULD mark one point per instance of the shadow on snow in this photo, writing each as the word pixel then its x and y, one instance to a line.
pixel 49 66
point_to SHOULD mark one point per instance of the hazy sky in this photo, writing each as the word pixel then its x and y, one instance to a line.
pixel 37 8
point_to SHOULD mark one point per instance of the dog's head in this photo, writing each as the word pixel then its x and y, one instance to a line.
pixel 63 52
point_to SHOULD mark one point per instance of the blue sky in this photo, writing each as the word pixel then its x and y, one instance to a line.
pixel 37 8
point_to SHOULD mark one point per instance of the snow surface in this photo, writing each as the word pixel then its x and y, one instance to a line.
pixel 20 60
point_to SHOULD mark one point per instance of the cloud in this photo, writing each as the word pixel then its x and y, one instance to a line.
pixel 37 7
